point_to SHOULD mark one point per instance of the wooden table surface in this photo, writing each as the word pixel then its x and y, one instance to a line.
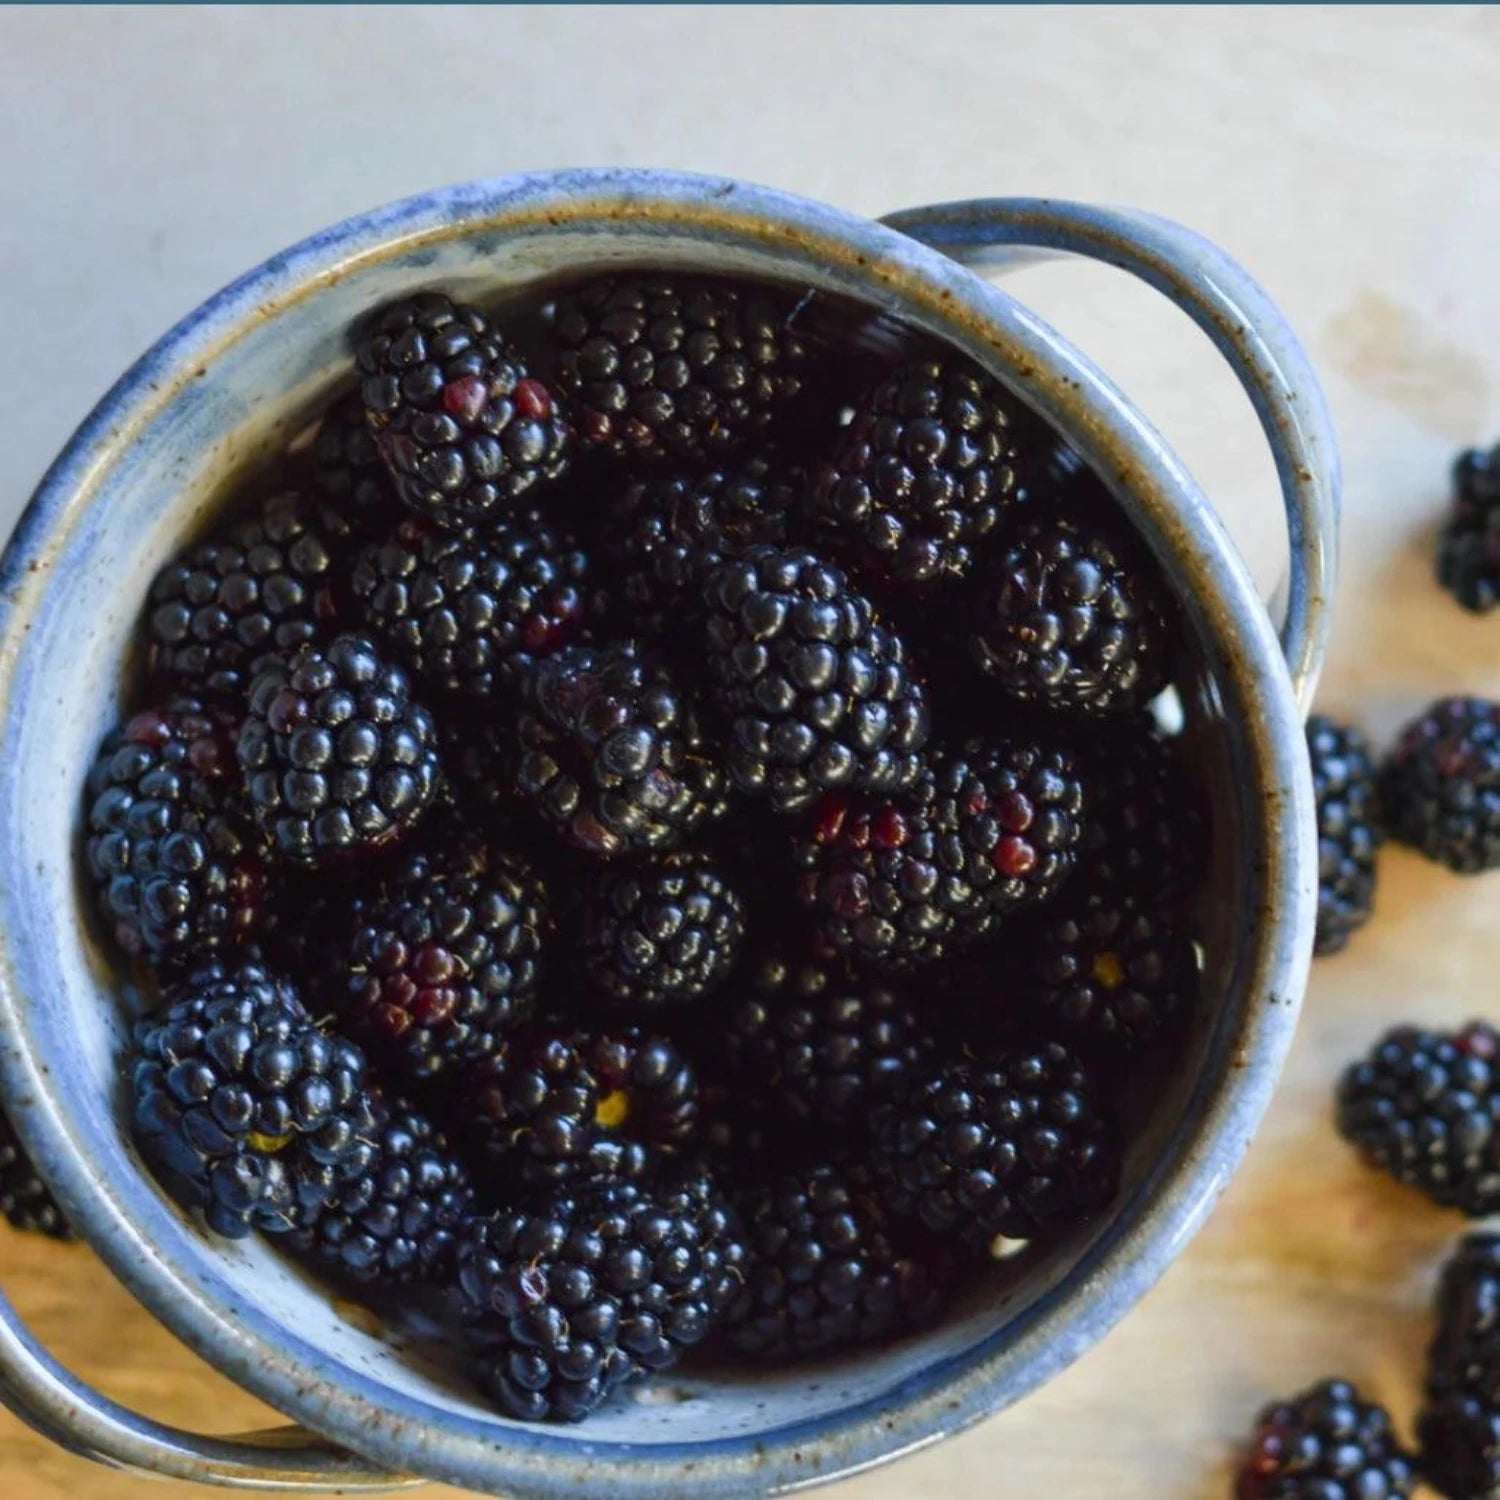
pixel 1347 155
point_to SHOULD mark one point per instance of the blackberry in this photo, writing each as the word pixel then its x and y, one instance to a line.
pixel 171 849
pixel 830 1268
pixel 396 1221
pixel 1006 1144
pixel 661 933
pixel 609 751
pixel 1348 830
pixel 459 420
pixel 337 758
pixel 1468 553
pixel 220 610
pixel 686 367
pixel 1113 968
pixel 825 1044
pixel 457 610
pixel 244 1108
pixel 1423 1107
pixel 345 474
pixel 559 1105
pixel 1325 1444
pixel 1071 616
pixel 1439 787
pixel 819 694
pixel 25 1200
pixel 985 832
pixel 924 471
pixel 445 961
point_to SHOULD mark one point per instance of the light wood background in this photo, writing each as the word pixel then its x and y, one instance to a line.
pixel 1349 156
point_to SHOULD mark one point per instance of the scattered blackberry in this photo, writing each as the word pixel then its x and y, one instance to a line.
pixel 819 693
pixel 1070 616
pixel 220 610
pixel 1468 554
pixel 445 962
pixel 1113 968
pixel 1348 830
pixel 352 487
pixel 337 757
pixel 1006 1144
pixel 682 366
pixel 924 471
pixel 244 1108
pixel 661 933
pixel 558 1105
pixel 461 423
pixel 830 1268
pixel 25 1200
pixel 827 1045
pixel 170 845
pixel 1326 1444
pixel 1439 788
pixel 397 1220
pixel 1423 1106
pixel 458 609
pixel 984 832
pixel 608 750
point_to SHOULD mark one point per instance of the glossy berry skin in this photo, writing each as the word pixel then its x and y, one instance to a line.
pixel 1468 554
pixel 1439 785
pixel 923 472
pixel 171 849
pixel 1349 833
pixel 1325 1444
pixel 677 366
pixel 818 694
pixel 338 758
pixel 462 424
pixel 244 1108
pixel 26 1202
pixel 1008 1144
pixel 1423 1106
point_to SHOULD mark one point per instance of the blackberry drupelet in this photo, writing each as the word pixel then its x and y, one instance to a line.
pixel 244 1108
pixel 1468 553
pixel 446 961
pixel 820 695
pixel 220 610
pixel 1071 616
pixel 1112 968
pixel 26 1201
pixel 686 367
pixel 1423 1106
pixel 661 933
pixel 171 848
pixel 345 475
pixel 559 1105
pixel 398 1220
pixel 608 750
pixel 923 472
pixel 987 831
pixel 1439 787
pixel 1006 1144
pixel 460 421
pixel 1325 1444
pixel 458 610
pixel 337 757
pixel 573 1295
pixel 829 1267
pixel 826 1044
pixel 1348 830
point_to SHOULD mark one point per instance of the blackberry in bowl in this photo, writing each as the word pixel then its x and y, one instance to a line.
pixel 822 686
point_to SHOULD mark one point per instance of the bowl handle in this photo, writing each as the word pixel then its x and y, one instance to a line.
pixel 1249 331
pixel 56 1404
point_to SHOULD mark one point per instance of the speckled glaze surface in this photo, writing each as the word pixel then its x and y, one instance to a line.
pixel 244 372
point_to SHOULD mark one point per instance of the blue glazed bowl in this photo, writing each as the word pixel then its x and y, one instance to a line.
pixel 233 382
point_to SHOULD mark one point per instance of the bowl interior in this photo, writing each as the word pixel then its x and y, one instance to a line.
pixel 150 485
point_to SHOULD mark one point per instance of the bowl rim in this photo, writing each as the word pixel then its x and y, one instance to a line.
pixel 1146 1231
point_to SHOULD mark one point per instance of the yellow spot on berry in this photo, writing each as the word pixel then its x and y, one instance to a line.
pixel 1109 971
pixel 269 1144
pixel 612 1110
